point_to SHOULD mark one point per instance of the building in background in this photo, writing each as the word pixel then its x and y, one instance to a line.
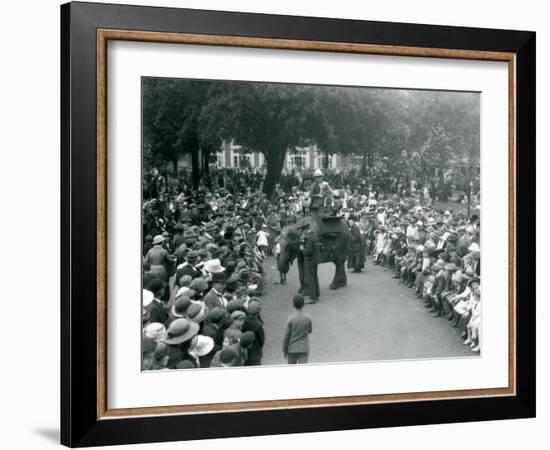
pixel 310 157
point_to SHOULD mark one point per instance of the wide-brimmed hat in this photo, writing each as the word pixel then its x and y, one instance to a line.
pixel 244 276
pixel 155 330
pixel 474 247
pixel 148 297
pixel 219 277
pixel 431 222
pixel 318 173
pixel 181 305
pixel 158 239
pixel 213 266
pixel 197 312
pixel 202 345
pixel 180 330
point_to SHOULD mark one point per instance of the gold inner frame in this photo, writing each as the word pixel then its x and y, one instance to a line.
pixel 104 35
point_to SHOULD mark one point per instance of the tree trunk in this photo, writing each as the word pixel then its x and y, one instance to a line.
pixel 364 165
pixel 326 161
pixel 206 160
pixel 195 169
pixel 175 167
pixel 274 160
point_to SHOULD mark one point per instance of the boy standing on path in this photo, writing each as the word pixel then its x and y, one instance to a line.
pixel 298 328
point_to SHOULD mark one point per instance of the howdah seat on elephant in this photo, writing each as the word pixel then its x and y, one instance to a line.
pixel 330 225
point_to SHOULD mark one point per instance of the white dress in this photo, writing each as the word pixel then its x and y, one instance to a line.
pixel 262 239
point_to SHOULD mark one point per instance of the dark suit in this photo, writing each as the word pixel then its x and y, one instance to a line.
pixel 213 299
pixel 311 260
pixel 187 269
pixel 255 352
pixel 157 313
pixel 357 254
pixel 216 333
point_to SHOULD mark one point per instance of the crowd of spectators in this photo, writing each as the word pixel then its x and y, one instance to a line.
pixel 204 249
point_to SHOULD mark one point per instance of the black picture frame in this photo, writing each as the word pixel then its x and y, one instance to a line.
pixel 80 425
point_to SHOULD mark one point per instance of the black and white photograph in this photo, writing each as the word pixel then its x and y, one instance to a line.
pixel 298 224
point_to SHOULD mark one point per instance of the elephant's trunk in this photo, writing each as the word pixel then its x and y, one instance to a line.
pixel 284 259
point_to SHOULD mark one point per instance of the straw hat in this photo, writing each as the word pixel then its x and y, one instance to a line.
pixel 197 312
pixel 148 297
pixel 158 239
pixel 155 330
pixel 202 345
pixel 180 330
pixel 213 266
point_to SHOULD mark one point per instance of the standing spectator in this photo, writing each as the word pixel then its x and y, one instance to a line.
pixel 296 338
pixel 253 323
pixel 356 260
pixel 310 250
pixel 262 240
pixel 214 298
pixel 157 311
pixel 159 259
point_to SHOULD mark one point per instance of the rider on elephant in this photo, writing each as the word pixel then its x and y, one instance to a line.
pixel 315 192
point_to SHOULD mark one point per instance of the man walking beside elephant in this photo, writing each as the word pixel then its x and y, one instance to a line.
pixel 310 249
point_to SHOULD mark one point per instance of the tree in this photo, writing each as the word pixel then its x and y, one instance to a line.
pixel 172 110
pixel 259 116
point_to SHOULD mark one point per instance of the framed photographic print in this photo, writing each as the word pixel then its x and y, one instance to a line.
pixel 274 224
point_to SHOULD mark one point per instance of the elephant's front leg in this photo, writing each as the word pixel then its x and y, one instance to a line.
pixel 340 278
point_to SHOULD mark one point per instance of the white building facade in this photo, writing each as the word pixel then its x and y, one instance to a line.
pixel 310 157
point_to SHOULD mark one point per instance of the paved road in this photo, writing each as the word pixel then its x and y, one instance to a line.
pixel 373 318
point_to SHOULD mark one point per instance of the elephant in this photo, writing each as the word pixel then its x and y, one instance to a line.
pixel 335 247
